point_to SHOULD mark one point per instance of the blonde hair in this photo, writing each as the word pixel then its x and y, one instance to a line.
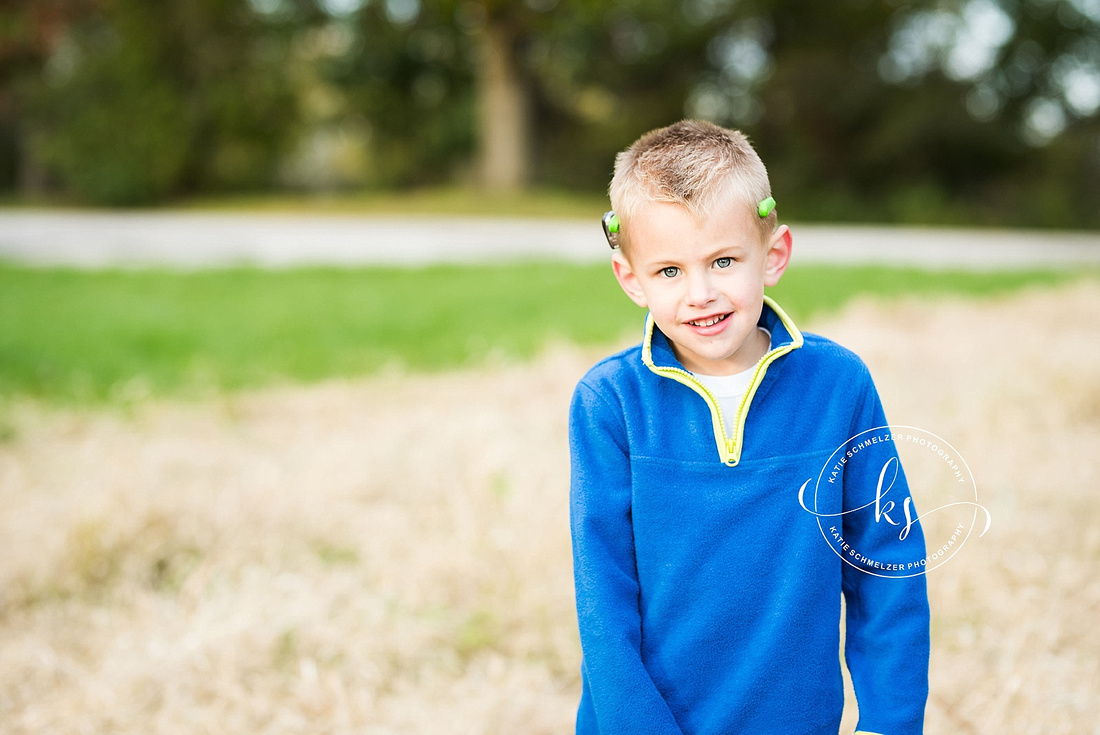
pixel 695 164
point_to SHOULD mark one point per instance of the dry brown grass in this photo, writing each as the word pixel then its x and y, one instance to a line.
pixel 392 555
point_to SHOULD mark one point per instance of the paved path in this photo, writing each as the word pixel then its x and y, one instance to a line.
pixel 195 240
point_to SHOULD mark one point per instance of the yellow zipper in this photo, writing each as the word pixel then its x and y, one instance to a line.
pixel 729 448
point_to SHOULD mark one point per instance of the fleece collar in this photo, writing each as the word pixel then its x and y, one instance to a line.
pixel 658 356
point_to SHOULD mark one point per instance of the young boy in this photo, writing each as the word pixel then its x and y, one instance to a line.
pixel 707 599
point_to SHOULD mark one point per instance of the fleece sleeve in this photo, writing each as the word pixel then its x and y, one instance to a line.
pixel 887 632
pixel 624 696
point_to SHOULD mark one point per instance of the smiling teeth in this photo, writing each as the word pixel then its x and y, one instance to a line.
pixel 708 322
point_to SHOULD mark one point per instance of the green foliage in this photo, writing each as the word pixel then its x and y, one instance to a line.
pixel 597 75
pixel 867 114
pixel 116 133
pixel 861 109
pixel 71 335
pixel 412 79
pixel 925 111
pixel 145 99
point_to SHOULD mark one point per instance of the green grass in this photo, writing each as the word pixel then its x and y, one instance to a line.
pixel 808 290
pixel 68 335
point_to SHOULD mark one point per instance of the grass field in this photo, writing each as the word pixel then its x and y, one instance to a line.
pixel 390 554
pixel 72 335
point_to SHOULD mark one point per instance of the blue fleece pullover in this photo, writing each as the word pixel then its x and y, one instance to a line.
pixel 708 598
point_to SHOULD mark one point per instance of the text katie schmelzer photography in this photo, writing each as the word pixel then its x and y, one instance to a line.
pixel 895 501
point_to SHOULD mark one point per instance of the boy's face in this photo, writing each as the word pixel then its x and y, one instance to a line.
pixel 703 281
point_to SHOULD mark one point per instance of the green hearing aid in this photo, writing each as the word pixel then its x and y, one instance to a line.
pixel 610 223
pixel 766 206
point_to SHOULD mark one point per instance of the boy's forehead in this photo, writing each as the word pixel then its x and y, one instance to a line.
pixel 672 226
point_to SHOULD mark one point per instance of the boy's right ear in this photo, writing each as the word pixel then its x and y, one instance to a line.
pixel 628 279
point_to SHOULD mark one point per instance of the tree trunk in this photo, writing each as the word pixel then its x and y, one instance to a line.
pixel 504 123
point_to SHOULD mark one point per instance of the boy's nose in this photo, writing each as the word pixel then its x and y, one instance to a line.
pixel 700 290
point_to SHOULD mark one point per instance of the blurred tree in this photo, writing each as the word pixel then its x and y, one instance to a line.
pixel 409 73
pixel 609 71
pixel 1015 90
pixel 146 98
pixel 29 32
pixel 503 92
pixel 908 110
pixel 911 110
pixel 879 108
pixel 531 89
pixel 843 135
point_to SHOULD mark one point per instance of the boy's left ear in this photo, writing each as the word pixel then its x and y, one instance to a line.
pixel 778 256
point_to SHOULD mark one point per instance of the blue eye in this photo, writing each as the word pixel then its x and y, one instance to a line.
pixel 670 272
pixel 724 262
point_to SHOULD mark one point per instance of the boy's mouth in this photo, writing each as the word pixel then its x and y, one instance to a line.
pixel 709 321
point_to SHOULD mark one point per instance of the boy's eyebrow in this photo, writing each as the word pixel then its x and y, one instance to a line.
pixel 720 252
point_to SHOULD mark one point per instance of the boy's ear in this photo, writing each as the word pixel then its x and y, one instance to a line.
pixel 778 256
pixel 628 280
